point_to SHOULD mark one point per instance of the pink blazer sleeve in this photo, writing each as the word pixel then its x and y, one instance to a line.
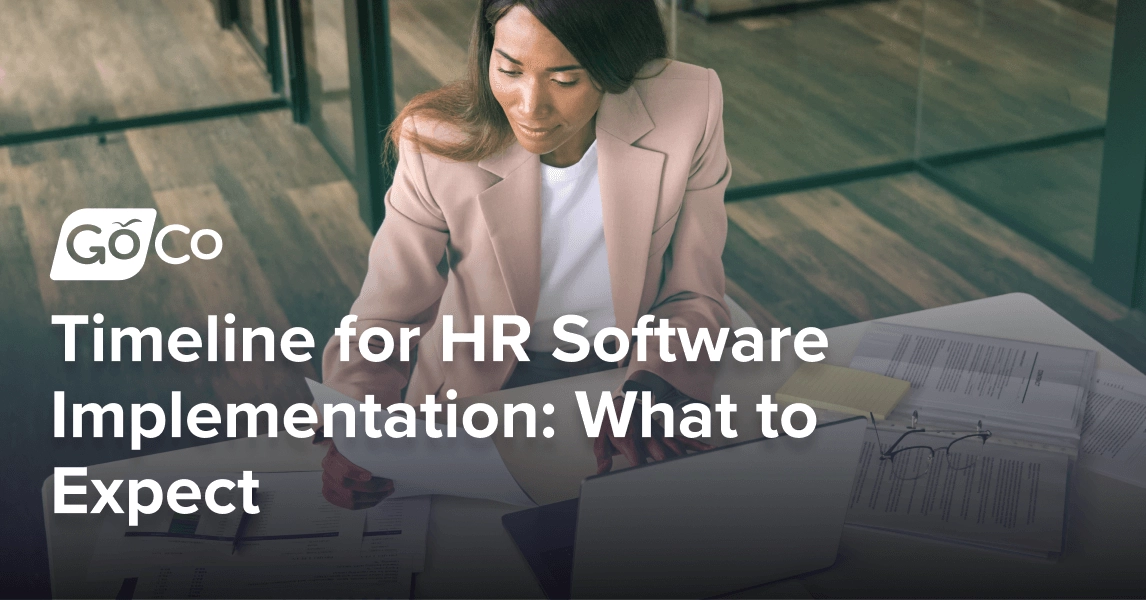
pixel 403 287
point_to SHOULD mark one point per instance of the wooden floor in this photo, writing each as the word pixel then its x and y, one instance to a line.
pixel 63 62
pixel 1053 191
pixel 825 90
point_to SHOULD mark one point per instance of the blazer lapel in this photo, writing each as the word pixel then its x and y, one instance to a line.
pixel 512 212
pixel 630 188
pixel 630 179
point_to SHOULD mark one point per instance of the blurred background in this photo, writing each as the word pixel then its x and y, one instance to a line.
pixel 888 156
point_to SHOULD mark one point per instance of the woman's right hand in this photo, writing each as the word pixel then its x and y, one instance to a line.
pixel 348 485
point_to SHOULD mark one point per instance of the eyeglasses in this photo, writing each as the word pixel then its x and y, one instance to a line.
pixel 913 462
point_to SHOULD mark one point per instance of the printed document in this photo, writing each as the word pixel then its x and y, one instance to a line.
pixel 1011 498
pixel 459 466
pixel 164 537
pixel 396 531
pixel 376 560
pixel 1037 391
pixel 296 524
pixel 1114 431
pixel 390 548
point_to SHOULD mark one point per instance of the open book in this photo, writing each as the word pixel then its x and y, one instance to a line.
pixel 1008 492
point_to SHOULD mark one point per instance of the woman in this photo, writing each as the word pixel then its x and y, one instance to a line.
pixel 575 170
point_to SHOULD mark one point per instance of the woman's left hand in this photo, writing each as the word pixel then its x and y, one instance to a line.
pixel 638 449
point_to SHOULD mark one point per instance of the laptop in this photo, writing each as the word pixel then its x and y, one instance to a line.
pixel 702 525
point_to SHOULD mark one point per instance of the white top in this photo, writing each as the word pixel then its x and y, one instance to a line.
pixel 574 263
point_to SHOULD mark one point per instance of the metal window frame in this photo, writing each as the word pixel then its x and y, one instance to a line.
pixel 296 62
pixel 372 104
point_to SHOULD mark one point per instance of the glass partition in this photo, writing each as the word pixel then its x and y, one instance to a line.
pixel 328 77
pixel 253 22
pixel 428 42
pixel 1012 102
pixel 1003 103
pixel 812 92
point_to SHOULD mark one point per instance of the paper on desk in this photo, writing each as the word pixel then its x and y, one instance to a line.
pixel 1114 431
pixel 164 537
pixel 460 466
pixel 1012 498
pixel 330 580
pixel 396 531
pixel 297 525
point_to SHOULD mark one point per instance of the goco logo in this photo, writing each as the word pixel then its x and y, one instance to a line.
pixel 110 244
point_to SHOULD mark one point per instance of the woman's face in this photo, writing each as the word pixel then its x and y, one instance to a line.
pixel 546 95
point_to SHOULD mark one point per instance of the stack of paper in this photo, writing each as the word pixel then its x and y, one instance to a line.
pixel 1032 399
pixel 164 537
pixel 396 531
pixel 1021 391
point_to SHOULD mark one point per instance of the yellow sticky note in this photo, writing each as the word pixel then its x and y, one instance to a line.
pixel 842 389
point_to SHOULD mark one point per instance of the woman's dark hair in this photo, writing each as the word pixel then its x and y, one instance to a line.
pixel 611 39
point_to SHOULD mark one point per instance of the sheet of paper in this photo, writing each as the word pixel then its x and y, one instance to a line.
pixel 1114 431
pixel 350 580
pixel 1028 386
pixel 297 525
pixel 396 530
pixel 1012 498
pixel 164 537
pixel 459 466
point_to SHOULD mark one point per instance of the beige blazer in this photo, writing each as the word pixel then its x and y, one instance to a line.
pixel 464 239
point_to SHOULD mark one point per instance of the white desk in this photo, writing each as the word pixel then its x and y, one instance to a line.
pixel 469 554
